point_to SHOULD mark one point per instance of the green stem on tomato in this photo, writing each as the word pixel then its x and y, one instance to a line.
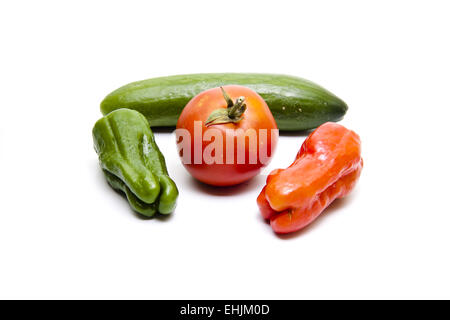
pixel 232 114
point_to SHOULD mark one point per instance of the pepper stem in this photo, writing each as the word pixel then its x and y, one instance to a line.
pixel 232 114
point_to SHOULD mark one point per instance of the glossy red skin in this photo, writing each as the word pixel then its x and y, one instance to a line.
pixel 327 167
pixel 256 116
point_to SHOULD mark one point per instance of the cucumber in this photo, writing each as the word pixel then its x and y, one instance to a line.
pixel 296 103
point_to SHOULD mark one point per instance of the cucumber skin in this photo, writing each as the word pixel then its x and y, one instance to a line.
pixel 296 103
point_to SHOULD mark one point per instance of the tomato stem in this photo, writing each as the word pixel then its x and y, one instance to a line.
pixel 227 98
pixel 232 114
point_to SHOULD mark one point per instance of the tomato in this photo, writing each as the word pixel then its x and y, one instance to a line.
pixel 226 135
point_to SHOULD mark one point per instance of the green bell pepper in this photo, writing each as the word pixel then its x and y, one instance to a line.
pixel 133 163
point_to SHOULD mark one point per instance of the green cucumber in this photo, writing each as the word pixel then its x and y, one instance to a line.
pixel 296 103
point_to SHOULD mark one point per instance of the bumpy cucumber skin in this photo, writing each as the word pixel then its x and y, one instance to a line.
pixel 296 103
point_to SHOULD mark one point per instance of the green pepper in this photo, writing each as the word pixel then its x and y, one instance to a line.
pixel 133 163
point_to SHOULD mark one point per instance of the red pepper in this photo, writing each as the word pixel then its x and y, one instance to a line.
pixel 327 167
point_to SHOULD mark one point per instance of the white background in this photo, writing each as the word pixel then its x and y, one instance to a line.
pixel 65 234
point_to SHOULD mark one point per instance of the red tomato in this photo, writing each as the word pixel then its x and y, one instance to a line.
pixel 213 151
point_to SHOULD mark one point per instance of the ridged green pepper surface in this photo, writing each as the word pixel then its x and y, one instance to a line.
pixel 133 163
